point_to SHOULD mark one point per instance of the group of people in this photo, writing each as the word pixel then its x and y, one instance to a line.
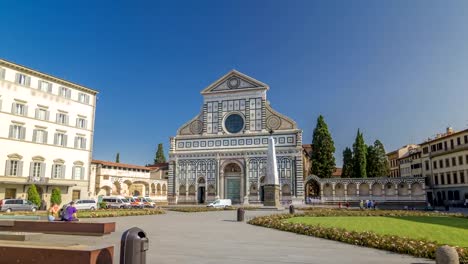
pixel 67 213
pixel 368 204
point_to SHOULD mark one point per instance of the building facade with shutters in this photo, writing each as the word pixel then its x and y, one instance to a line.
pixel 46 134
pixel 221 152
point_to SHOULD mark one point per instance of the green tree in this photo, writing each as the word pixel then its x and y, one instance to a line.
pixel 347 170
pixel 33 195
pixel 160 158
pixel 359 157
pixel 383 166
pixel 117 158
pixel 372 162
pixel 56 196
pixel 322 159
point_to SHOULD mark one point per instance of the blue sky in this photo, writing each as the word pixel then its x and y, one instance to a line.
pixel 395 69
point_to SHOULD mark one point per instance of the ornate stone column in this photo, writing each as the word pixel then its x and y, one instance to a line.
pixel 345 186
pixel 247 182
pixel 217 178
pixel 357 189
pixel 409 191
pixel 333 191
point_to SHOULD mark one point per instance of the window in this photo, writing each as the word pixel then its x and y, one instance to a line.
pixel 460 160
pixel 442 178
pixel 212 117
pixel 10 193
pixel 462 177
pixel 37 170
pixel 451 144
pixel 441 164
pixel 2 73
pixel 435 164
pixel 64 92
pixel 456 195
pixel 40 136
pixel 44 86
pixel 458 141
pixel 455 178
pixel 58 171
pixel 17 132
pixel 42 114
pixel 76 194
pixel 14 168
pixel 19 109
pixel 62 118
pixel 234 123
pixel 445 145
pixel 436 179
pixel 60 139
pixel 449 178
pixel 81 123
pixel 23 79
pixel 426 163
pixel 83 98
pixel 80 142
pixel 454 161
pixel 255 114
pixel 425 150
pixel 447 163
pixel 466 139
pixel 78 173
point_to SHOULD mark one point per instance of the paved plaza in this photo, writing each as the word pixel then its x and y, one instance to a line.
pixel 214 237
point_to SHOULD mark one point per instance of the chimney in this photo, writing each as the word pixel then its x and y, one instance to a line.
pixel 449 130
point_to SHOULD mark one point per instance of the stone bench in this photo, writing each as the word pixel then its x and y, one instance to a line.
pixel 20 217
pixel 64 228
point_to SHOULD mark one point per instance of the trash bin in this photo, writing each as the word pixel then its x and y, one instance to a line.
pixel 133 246
pixel 240 215
pixel 292 210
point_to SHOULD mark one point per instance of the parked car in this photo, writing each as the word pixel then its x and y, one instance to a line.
pixel 135 203
pixel 85 204
pixel 147 202
pixel 221 203
pixel 9 205
pixel 116 202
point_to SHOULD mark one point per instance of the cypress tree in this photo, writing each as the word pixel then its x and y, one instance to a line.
pixel 160 158
pixel 359 157
pixel 383 166
pixel 323 150
pixel 372 162
pixel 33 195
pixel 56 196
pixel 117 158
pixel 347 171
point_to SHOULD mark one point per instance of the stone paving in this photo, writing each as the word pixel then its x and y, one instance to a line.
pixel 214 237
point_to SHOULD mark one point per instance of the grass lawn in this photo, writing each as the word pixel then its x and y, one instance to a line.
pixel 445 230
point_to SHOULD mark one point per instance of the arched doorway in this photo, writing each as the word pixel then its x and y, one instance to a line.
pixel 201 190
pixel 232 182
pixel 312 190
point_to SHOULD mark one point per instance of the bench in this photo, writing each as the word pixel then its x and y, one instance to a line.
pixel 64 228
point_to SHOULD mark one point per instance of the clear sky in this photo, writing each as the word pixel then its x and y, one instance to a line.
pixel 398 70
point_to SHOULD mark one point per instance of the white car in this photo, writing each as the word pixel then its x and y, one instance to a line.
pixel 85 204
pixel 221 203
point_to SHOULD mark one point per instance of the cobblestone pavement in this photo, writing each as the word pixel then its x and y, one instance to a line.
pixel 214 237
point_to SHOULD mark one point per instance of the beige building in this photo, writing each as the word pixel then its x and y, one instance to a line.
pixel 411 163
pixel 130 180
pixel 394 159
pixel 46 134
pixel 445 165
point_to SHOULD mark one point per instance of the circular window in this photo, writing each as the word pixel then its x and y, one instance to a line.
pixel 234 123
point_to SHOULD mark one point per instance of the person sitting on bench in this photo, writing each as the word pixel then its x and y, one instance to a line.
pixel 53 212
pixel 69 213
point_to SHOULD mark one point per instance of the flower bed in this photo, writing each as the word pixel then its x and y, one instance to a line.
pixel 415 247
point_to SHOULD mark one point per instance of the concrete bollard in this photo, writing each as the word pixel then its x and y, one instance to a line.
pixel 240 214
pixel 447 255
pixel 292 210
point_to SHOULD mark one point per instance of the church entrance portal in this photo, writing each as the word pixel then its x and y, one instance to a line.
pixel 232 175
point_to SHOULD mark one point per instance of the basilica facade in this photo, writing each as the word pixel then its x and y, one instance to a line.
pixel 221 152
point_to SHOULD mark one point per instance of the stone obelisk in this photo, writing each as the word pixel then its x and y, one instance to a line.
pixel 271 187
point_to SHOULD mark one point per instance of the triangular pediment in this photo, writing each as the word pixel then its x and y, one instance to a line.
pixel 234 81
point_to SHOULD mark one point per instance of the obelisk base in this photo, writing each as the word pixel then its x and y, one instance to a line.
pixel 271 196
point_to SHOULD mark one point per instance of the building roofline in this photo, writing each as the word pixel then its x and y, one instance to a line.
pixel 121 165
pixel 444 136
pixel 46 76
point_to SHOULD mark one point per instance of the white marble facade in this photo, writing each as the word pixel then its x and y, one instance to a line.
pixel 221 152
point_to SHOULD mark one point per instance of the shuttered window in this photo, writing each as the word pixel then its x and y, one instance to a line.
pixel 62 118
pixel 44 86
pixel 40 136
pixel 19 109
pixel 22 79
pixel 60 139
pixel 65 92
pixel 78 173
pixel 14 168
pixel 58 171
pixel 83 98
pixel 17 132
pixel 80 142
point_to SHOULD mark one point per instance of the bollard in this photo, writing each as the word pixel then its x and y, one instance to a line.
pixel 447 255
pixel 292 210
pixel 240 215
pixel 133 246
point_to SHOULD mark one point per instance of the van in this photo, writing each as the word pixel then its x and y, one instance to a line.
pixel 117 202
pixel 221 203
pixel 147 202
pixel 9 205
pixel 85 205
